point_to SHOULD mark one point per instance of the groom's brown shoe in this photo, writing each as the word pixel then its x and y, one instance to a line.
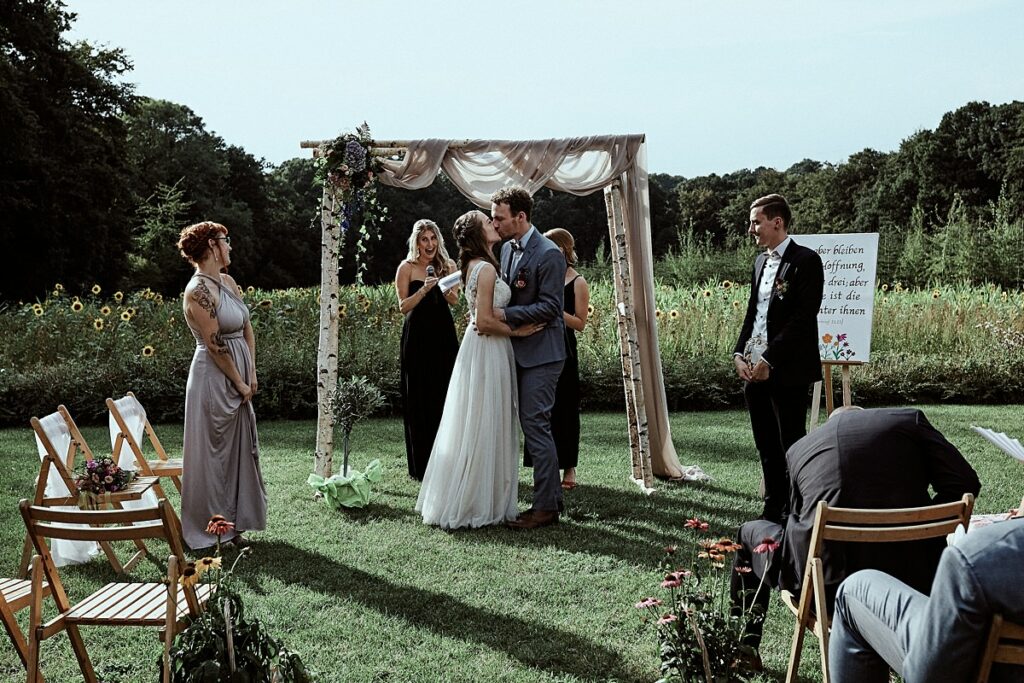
pixel 534 519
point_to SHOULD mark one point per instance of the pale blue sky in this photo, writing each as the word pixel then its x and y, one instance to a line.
pixel 716 86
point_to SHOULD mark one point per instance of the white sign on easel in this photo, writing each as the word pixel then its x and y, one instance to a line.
pixel 847 306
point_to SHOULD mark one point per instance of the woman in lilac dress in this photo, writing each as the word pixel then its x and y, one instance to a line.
pixel 221 469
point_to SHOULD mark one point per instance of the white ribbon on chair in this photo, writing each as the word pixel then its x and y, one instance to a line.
pixel 135 419
pixel 63 552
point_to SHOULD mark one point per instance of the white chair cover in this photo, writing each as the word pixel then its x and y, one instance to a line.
pixel 63 552
pixel 135 420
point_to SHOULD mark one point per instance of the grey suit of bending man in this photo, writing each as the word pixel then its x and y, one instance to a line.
pixel 534 269
pixel 881 622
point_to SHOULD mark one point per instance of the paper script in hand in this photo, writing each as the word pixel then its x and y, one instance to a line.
pixel 449 281
pixel 1011 447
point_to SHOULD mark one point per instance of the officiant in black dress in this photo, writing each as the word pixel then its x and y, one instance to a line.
pixel 429 342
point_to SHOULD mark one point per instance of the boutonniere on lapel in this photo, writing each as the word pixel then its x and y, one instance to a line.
pixel 520 280
pixel 781 285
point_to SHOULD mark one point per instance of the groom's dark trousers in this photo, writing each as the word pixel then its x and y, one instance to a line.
pixel 536 399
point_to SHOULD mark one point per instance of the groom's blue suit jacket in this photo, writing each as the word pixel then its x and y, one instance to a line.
pixel 537 283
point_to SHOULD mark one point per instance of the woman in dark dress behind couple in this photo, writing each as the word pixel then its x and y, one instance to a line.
pixel 429 342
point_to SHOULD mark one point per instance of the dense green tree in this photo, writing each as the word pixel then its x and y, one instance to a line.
pixel 63 197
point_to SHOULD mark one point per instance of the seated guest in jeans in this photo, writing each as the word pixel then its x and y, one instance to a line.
pixel 882 623
pixel 879 458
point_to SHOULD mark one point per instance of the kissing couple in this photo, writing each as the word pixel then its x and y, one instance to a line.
pixel 504 378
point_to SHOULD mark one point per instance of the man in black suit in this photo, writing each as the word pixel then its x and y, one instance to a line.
pixel 879 458
pixel 776 355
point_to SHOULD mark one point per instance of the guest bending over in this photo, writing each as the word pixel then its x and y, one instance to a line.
pixel 879 458
pixel 221 448
pixel 565 416
pixel 429 342
pixel 882 623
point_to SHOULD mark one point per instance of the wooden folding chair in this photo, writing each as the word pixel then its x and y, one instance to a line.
pixel 1005 645
pixel 854 525
pixel 59 442
pixel 15 595
pixel 128 421
pixel 116 604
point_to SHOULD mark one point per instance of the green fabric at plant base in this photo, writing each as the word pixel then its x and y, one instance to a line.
pixel 352 491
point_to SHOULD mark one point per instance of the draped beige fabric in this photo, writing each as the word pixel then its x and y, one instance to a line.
pixel 579 166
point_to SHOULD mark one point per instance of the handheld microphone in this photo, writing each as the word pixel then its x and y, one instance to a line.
pixel 430 271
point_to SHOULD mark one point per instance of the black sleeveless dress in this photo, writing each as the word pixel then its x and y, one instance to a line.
pixel 429 347
pixel 565 416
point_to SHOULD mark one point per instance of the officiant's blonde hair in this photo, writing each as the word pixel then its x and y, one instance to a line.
pixel 441 258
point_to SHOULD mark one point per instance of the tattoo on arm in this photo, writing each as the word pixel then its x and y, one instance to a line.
pixel 217 344
pixel 202 296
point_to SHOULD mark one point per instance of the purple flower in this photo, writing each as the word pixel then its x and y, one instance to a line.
pixel 355 156
pixel 91 465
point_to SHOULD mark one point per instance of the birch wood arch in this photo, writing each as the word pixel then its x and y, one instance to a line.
pixel 616 164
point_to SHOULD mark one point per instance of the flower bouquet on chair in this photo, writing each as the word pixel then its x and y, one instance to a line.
pixel 101 478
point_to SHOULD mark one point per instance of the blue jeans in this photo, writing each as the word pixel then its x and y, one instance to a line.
pixel 871 628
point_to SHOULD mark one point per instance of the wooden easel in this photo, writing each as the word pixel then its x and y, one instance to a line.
pixel 826 366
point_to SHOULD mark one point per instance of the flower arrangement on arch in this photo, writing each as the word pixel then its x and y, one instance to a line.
pixel 347 168
pixel 700 636
pixel 101 477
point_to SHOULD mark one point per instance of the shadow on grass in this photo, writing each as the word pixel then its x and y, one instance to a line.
pixel 533 644
pixel 633 528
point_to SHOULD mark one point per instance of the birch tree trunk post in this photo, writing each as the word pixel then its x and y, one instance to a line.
pixel 642 473
pixel 327 350
pixel 620 324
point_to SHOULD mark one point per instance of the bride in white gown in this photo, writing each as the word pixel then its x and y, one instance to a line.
pixel 472 476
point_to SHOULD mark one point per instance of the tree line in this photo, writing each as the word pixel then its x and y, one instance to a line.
pixel 96 181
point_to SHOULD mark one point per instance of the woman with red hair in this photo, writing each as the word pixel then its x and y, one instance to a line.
pixel 221 470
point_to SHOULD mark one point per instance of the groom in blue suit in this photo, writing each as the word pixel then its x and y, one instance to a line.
pixel 534 269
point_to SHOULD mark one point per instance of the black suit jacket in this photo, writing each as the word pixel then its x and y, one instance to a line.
pixel 792 315
pixel 880 458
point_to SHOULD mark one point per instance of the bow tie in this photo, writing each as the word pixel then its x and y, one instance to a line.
pixel 516 246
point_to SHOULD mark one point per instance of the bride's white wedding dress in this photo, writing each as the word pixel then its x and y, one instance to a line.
pixel 472 477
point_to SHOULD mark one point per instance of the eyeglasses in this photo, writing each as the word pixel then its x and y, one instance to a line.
pixel 225 238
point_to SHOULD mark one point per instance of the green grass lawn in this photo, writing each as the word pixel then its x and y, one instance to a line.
pixel 374 595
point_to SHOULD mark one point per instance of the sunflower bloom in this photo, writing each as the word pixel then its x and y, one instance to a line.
pixel 736 304
pixel 105 311
pixel 250 289
pixel 674 314
pixel 37 309
pixel 590 309
pixel 190 576
pixel 118 296
pixel 726 284
pixel 266 303
pixel 658 313
pixel 96 289
pixel 97 324
pixel 77 306
pixel 936 294
pixel 58 287
pixel 707 292
pixel 126 316
pixel 148 351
